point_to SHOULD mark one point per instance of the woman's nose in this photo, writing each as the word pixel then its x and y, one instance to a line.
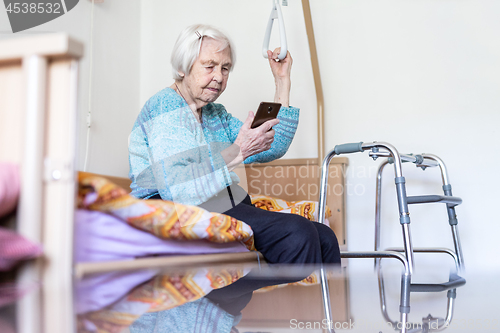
pixel 218 75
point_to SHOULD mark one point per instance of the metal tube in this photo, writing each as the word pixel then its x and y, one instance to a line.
pixel 404 307
pixel 408 245
pixel 325 293
pixel 444 323
pixel 384 307
pixel 406 158
pixel 458 247
pixel 385 254
pixel 321 219
pixel 403 321
pixel 377 254
pixel 449 314
pixel 442 166
pixel 381 293
pixel 378 203
pixel 451 210
pixel 451 301
pixel 323 189
pixel 401 192
pixel 430 250
pixel 393 151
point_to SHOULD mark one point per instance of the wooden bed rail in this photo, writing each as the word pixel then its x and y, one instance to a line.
pixel 173 262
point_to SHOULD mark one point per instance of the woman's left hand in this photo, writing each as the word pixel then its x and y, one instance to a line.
pixel 281 68
pixel 281 71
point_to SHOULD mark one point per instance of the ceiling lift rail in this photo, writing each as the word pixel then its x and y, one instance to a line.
pixel 275 15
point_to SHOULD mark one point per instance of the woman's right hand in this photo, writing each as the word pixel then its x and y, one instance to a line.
pixel 255 140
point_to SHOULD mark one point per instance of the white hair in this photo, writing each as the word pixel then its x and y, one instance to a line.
pixel 187 47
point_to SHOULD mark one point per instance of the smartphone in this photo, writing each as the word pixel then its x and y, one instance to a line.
pixel 265 112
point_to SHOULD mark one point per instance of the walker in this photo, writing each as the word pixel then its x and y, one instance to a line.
pixel 423 161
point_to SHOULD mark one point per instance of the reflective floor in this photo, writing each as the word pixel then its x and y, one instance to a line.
pixel 159 300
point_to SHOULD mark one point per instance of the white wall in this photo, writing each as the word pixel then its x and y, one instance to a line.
pixel 423 76
pixel 115 85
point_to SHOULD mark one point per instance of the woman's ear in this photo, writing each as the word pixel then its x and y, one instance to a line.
pixel 181 74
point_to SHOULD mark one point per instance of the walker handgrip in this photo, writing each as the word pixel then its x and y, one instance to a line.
pixel 348 148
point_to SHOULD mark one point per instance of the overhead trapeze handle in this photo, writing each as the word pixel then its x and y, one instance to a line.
pixel 275 14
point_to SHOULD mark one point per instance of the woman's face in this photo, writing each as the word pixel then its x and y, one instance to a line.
pixel 209 74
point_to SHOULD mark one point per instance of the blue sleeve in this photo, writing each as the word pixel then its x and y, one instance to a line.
pixel 172 157
pixel 285 131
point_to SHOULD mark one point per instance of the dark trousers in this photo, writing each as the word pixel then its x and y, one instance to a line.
pixel 281 238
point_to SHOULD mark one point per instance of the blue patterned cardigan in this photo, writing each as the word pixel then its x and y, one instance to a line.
pixel 172 154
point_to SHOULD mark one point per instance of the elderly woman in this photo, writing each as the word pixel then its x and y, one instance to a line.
pixel 183 148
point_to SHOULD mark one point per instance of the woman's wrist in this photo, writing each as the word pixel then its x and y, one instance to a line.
pixel 282 94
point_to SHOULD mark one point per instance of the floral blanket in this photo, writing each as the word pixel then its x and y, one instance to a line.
pixel 307 209
pixel 163 292
pixel 164 219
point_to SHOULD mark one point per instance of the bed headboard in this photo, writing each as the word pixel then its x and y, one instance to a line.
pixel 299 179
